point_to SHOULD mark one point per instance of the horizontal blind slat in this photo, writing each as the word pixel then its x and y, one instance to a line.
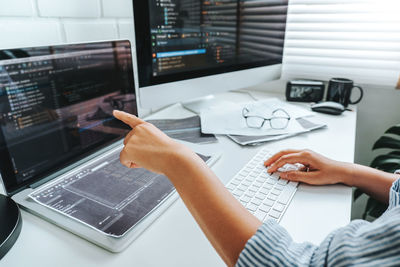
pixel 355 54
pixel 364 37
pixel 343 44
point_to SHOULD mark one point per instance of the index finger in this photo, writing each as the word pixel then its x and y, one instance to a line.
pixel 280 154
pixel 127 118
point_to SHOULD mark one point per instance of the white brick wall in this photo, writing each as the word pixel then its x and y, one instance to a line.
pixel 26 23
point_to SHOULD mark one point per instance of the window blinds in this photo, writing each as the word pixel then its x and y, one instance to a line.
pixel 356 39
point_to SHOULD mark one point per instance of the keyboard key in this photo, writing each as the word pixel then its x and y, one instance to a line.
pixel 286 194
pixel 264 207
pixel 231 187
pixel 261 180
pixel 264 190
pixel 235 181
pixel 278 207
pixel 273 197
pixel 275 192
pixel 274 214
pixel 250 194
pixel 261 196
pixel 253 174
pixel 242 174
pixel 258 184
pixel 256 201
pixel 279 187
pixel 269 217
pixel 249 179
pixel 260 168
pixel 260 215
pixel 238 192
pixel 271 181
pixel 251 207
pixel 275 176
pixel 245 198
pixel 268 202
pixel 253 189
pixel 242 187
pixel 246 183
pixel 282 182
pixel 267 186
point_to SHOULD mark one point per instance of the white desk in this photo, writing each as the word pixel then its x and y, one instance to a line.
pixel 175 239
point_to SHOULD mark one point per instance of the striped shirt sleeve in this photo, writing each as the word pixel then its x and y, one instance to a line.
pixel 359 243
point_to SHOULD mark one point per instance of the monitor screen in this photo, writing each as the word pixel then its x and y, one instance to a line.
pixel 183 39
pixel 56 105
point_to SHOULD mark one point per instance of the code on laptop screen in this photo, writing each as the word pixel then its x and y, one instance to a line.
pixel 56 105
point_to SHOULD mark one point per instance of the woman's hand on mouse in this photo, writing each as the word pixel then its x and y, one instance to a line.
pixel 318 170
pixel 148 147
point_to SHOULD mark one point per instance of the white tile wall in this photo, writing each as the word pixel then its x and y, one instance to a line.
pixel 29 32
pixel 117 8
pixel 16 8
pixel 69 8
pixel 90 31
pixel 126 30
pixel 42 22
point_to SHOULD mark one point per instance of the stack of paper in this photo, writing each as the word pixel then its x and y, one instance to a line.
pixel 228 120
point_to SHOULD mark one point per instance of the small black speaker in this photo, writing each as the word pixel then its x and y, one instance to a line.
pixel 10 224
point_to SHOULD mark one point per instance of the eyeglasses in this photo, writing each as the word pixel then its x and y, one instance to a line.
pixel 279 119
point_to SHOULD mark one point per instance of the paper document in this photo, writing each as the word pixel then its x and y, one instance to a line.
pixel 228 119
pixel 188 129
pixel 308 124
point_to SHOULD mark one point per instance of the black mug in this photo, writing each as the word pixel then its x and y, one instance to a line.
pixel 339 90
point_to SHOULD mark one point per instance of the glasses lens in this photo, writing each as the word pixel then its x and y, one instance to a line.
pixel 280 113
pixel 279 123
pixel 254 122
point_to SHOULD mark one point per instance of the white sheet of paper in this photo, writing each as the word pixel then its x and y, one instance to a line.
pixel 228 119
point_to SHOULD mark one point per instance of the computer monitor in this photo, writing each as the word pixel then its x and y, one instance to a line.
pixel 56 106
pixel 187 49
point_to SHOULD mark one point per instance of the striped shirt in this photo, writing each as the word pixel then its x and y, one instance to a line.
pixel 360 243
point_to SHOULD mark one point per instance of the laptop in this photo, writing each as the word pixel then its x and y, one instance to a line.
pixel 60 144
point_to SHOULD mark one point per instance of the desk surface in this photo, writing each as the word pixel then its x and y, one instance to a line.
pixel 174 239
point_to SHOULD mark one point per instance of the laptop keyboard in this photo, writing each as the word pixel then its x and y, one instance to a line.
pixel 107 196
pixel 264 195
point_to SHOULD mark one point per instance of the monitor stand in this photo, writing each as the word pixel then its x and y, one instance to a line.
pixel 10 224
pixel 197 104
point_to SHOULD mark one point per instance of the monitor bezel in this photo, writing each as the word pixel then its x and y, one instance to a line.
pixel 6 167
pixel 144 53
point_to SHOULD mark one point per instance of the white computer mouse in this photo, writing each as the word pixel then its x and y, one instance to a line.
pixel 328 107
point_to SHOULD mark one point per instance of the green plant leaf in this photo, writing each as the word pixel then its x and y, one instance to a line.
pixel 357 193
pixel 387 161
pixel 387 142
pixel 394 153
pixel 374 208
pixel 394 130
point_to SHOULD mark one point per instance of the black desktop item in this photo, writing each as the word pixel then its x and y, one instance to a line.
pixel 328 107
pixel 340 90
pixel 305 90
pixel 184 39
pixel 10 224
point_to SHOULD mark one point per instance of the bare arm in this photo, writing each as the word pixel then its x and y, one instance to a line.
pixel 226 223
pixel 320 170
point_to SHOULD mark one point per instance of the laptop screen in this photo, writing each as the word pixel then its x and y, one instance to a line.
pixel 56 106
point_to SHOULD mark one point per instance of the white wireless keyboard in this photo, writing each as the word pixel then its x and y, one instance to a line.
pixel 265 195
